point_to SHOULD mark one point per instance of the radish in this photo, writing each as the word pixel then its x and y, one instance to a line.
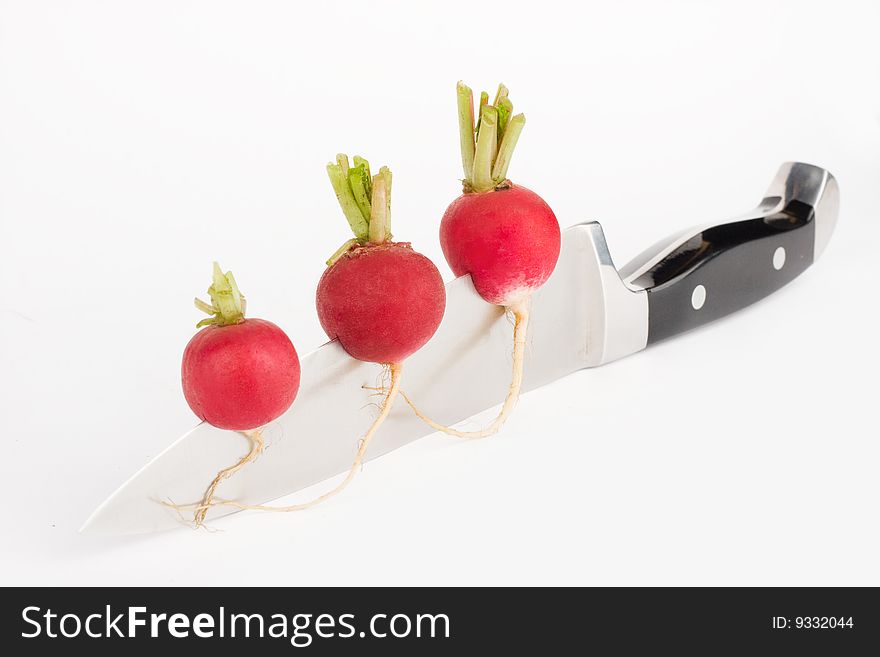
pixel 237 373
pixel 504 235
pixel 380 299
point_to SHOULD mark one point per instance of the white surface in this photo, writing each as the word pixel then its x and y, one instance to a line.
pixel 139 141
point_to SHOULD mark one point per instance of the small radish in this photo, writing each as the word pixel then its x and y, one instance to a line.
pixel 504 235
pixel 237 373
pixel 380 299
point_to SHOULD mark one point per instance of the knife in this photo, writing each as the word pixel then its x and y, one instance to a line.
pixel 586 315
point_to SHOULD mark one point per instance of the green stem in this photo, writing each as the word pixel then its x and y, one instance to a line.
pixel 365 201
pixel 341 251
pixel 227 302
pixel 487 147
pixel 359 161
pixel 360 183
pixel 466 130
pixel 484 100
pixel 345 196
pixel 497 132
pixel 501 93
pixel 505 109
pixel 505 150
pixel 385 172
pixel 379 207
pixel 205 307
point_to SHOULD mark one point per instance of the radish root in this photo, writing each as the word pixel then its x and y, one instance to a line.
pixel 520 312
pixel 255 438
pixel 385 409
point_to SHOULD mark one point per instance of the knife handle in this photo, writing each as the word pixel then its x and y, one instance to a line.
pixel 706 273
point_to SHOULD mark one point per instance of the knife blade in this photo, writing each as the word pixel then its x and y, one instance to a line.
pixel 587 314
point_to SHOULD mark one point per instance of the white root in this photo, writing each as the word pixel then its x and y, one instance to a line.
pixel 255 438
pixel 521 318
pixel 385 409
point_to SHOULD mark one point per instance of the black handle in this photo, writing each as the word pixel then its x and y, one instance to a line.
pixel 713 271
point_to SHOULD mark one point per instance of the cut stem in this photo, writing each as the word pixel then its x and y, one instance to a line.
pixel 342 250
pixel 500 94
pixel 358 161
pixel 387 403
pixel 505 109
pixel 339 179
pixel 521 318
pixel 379 210
pixel 365 201
pixel 227 302
pixel 204 307
pixel 385 172
pixel 505 150
pixel 342 161
pixel 487 147
pixel 486 156
pixel 466 130
pixel 484 100
pixel 361 187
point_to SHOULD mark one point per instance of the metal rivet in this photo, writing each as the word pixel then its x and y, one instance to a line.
pixel 698 298
pixel 779 258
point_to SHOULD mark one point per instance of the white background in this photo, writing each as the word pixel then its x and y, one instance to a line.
pixel 140 141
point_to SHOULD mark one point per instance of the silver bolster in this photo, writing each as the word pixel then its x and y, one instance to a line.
pixel 618 316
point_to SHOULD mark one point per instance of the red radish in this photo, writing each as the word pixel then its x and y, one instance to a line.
pixel 505 236
pixel 240 376
pixel 507 240
pixel 380 299
pixel 237 373
pixel 397 305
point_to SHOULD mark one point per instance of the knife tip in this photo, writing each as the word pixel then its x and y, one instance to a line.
pixel 88 526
